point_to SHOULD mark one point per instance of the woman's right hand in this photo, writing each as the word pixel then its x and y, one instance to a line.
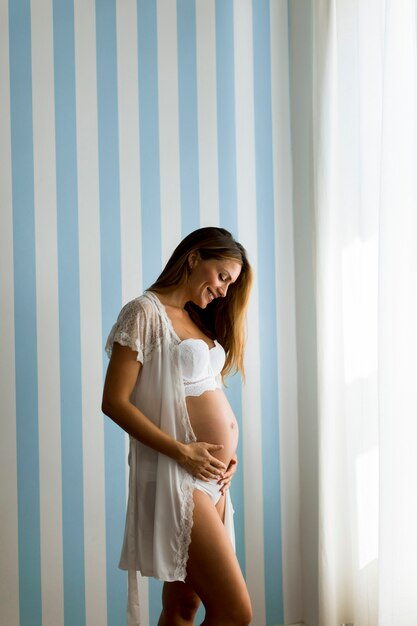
pixel 196 458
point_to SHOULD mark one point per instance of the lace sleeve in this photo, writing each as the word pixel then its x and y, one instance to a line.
pixel 131 329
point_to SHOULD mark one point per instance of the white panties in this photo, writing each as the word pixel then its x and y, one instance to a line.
pixel 212 489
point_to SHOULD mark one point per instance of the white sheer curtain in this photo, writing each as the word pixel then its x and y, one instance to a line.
pixel 365 197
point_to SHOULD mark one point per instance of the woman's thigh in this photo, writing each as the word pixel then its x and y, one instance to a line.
pixel 213 570
pixel 179 599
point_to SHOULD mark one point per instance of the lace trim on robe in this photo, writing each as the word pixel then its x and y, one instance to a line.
pixel 143 333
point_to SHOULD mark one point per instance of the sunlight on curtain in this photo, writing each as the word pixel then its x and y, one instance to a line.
pixel 365 198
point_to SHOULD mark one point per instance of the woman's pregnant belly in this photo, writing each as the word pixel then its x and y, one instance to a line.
pixel 213 421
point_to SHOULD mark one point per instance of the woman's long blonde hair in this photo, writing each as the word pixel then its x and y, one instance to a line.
pixel 223 319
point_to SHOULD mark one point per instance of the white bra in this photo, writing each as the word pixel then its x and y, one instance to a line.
pixel 201 365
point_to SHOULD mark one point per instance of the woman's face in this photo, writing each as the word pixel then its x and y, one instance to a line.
pixel 210 279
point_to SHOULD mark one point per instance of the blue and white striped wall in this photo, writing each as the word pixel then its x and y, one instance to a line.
pixel 124 126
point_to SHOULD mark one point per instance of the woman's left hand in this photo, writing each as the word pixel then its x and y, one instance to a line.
pixel 227 478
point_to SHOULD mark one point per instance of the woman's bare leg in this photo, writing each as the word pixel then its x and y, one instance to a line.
pixel 180 600
pixel 213 570
pixel 180 604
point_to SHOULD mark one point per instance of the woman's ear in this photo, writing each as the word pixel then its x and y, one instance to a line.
pixel 193 258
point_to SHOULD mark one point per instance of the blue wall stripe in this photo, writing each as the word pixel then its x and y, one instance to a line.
pixel 110 255
pixel 228 216
pixel 150 181
pixel 69 314
pixel 226 133
pixel 268 337
pixel 149 140
pixel 188 116
pixel 30 601
pixel 25 287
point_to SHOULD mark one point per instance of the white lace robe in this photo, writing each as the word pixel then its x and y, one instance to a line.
pixel 160 502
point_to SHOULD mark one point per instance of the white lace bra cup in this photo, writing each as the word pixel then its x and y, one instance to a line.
pixel 201 365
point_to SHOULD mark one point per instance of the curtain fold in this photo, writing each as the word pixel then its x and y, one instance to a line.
pixel 365 210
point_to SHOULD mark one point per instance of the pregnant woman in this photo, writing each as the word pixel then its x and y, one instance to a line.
pixel 170 350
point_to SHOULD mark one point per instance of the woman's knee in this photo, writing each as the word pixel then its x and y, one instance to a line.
pixel 180 600
pixel 236 613
pixel 244 614
pixel 188 607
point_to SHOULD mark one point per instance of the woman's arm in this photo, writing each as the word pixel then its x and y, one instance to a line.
pixel 121 377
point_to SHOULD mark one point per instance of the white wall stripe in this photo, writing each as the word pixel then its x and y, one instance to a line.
pixel 9 571
pixel 90 312
pixel 246 194
pixel 169 148
pixel 285 302
pixel 207 112
pixel 47 315
pixel 129 157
